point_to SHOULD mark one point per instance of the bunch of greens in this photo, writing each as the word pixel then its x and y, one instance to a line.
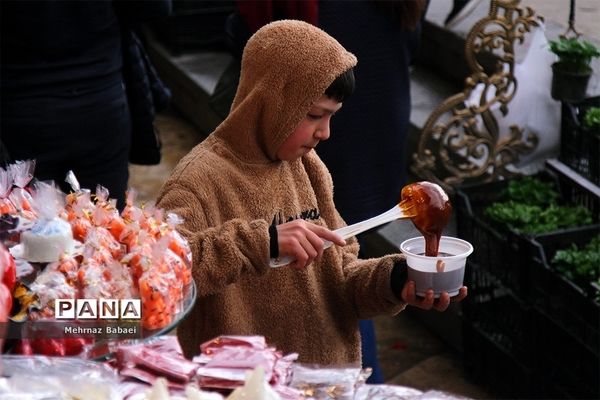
pixel 530 208
pixel 574 55
pixel 532 220
pixel 591 119
pixel 532 191
pixel 580 265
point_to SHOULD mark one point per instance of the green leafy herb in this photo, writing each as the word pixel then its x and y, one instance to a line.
pixel 580 265
pixel 530 190
pixel 592 119
pixel 533 219
pixel 574 54
pixel 530 207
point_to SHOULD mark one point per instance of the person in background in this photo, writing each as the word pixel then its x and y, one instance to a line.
pixel 367 157
pixel 255 190
pixel 63 100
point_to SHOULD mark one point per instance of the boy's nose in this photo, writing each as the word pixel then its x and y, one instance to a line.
pixel 322 133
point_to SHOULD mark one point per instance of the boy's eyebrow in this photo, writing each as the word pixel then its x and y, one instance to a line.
pixel 327 110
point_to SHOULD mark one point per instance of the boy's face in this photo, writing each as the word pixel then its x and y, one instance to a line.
pixel 311 130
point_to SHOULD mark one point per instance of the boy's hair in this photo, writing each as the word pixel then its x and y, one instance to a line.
pixel 342 87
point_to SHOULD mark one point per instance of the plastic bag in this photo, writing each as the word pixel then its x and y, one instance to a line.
pixel 39 377
pixel 532 108
pixel 320 382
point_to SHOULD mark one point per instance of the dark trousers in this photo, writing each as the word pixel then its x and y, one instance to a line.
pixel 369 351
pixel 368 342
pixel 88 132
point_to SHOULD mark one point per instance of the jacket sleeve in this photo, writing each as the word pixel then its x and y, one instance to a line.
pixel 368 284
pixel 221 254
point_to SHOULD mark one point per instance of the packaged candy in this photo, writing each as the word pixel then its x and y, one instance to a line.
pixel 157 306
pixel 51 236
pixel 6 206
pixel 22 174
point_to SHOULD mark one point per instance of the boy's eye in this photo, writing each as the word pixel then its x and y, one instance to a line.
pixel 313 116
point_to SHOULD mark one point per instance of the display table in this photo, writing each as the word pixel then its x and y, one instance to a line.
pixel 41 377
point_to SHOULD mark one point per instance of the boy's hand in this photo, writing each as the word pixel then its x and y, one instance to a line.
pixel 303 241
pixel 428 302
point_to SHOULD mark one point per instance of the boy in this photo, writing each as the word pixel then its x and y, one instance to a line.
pixel 255 189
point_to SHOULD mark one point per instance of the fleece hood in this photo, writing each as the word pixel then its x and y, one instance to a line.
pixel 286 66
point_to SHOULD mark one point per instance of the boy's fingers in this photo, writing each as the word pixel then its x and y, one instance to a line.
pixel 443 302
pixel 326 234
pixel 309 247
pixel 427 302
pixel 316 243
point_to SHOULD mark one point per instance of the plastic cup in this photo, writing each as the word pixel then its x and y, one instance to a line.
pixel 427 272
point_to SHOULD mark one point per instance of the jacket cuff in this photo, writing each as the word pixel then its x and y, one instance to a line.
pixel 398 278
pixel 273 242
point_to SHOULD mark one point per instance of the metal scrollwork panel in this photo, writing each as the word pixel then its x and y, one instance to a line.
pixel 461 143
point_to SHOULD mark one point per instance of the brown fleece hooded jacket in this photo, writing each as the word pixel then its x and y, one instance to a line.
pixel 231 187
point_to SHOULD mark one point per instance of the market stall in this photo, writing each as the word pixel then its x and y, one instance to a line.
pixel 90 293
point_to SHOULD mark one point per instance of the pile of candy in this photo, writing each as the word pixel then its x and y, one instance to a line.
pixel 136 253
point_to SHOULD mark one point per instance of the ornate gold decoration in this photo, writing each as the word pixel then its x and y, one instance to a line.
pixel 461 144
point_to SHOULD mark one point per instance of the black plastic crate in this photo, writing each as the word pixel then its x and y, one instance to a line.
pixel 489 364
pixel 573 188
pixel 558 366
pixel 496 311
pixel 580 147
pixel 562 361
pixel 572 306
pixel 491 247
pixel 504 253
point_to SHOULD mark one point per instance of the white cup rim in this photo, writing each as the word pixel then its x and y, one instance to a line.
pixel 468 246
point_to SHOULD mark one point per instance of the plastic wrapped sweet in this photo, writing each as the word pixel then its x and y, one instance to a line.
pixel 320 382
pixel 47 241
pixel 50 237
pixel 78 208
pixel 21 174
pixel 177 243
pixel 387 392
pixel 111 281
pixel 213 345
pixel 6 182
pixel 226 359
pixel 39 377
pixel 160 391
pixel 68 266
pixel 255 387
pixel 153 359
pixel 158 308
pixel 15 203
pixel 50 285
